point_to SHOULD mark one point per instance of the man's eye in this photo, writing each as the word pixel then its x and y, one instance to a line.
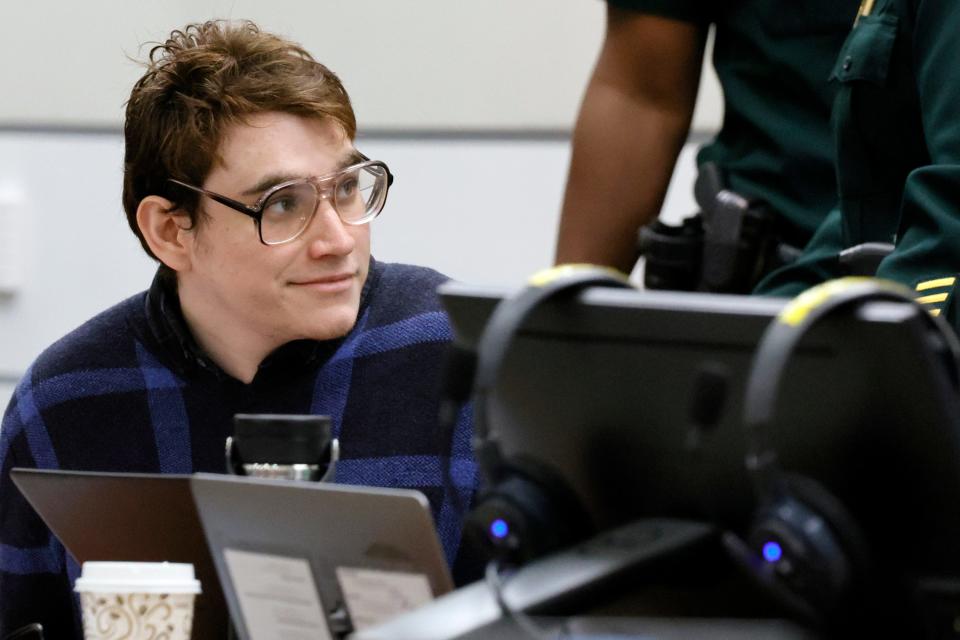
pixel 347 188
pixel 283 205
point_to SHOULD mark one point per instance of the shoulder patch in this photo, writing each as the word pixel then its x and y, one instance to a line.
pixel 935 293
pixel 866 8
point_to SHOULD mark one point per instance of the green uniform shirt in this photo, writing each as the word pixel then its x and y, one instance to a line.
pixel 897 124
pixel 773 60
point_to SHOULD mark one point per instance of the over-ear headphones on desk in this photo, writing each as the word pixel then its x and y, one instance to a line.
pixel 525 509
pixel 803 545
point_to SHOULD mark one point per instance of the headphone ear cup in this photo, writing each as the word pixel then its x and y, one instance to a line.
pixel 528 509
pixel 528 513
pixel 812 546
pixel 842 523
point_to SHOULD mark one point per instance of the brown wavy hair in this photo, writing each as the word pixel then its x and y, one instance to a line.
pixel 203 79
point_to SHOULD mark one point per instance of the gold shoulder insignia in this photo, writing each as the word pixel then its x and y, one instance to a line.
pixel 935 293
pixel 866 8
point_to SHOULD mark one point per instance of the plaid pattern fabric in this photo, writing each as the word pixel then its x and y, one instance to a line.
pixel 128 391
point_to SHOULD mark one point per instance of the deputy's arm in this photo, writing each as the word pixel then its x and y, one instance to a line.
pixel 929 226
pixel 632 124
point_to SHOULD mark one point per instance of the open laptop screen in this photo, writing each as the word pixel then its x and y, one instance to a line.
pixel 129 517
pixel 294 555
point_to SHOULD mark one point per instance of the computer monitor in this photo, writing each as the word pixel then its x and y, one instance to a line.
pixel 601 388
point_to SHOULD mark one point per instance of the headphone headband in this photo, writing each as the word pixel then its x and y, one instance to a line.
pixel 525 510
pixel 511 314
pixel 781 338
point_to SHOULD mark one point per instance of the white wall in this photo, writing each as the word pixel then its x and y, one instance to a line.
pixel 408 64
pixel 482 211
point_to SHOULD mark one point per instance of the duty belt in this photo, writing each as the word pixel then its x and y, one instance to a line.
pixel 726 247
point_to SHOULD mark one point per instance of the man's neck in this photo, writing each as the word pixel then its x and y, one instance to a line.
pixel 237 351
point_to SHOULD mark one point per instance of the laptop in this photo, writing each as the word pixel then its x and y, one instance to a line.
pixel 129 517
pixel 303 559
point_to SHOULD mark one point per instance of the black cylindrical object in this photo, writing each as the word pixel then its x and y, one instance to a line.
pixel 293 447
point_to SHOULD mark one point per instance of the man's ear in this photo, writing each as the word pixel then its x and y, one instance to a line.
pixel 165 231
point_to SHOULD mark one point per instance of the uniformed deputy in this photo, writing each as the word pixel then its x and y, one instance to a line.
pixel 773 61
pixel 897 132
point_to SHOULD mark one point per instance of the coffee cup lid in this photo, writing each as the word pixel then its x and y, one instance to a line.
pixel 137 577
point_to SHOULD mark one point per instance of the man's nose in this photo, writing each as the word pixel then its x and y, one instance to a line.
pixel 327 233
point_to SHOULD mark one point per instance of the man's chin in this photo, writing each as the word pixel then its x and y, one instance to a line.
pixel 332 325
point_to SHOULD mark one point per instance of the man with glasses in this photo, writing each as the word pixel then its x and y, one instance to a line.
pixel 242 179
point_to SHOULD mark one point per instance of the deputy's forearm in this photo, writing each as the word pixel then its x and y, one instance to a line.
pixel 623 158
pixel 632 124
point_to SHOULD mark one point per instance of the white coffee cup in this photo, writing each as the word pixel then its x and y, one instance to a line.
pixel 137 600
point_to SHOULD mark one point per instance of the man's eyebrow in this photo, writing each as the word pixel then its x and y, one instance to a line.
pixel 273 179
pixel 350 158
pixel 354 157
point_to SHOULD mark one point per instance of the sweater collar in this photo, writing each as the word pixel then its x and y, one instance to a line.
pixel 169 327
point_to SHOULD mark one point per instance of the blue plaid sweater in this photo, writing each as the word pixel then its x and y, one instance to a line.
pixel 130 391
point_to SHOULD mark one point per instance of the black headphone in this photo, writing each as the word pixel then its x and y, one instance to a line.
pixel 803 546
pixel 525 508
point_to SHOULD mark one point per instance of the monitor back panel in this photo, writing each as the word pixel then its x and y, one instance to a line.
pixel 603 391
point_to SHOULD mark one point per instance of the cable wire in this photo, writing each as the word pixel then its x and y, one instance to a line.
pixel 493 576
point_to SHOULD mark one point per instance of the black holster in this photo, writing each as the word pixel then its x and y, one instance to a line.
pixel 727 247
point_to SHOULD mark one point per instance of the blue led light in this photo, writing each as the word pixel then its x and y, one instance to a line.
pixel 499 529
pixel 772 552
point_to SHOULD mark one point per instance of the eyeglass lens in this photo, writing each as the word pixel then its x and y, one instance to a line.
pixel 357 196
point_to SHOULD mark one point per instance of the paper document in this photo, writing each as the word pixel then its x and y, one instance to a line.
pixel 373 597
pixel 278 598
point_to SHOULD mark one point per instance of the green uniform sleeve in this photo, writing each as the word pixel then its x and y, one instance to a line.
pixel 695 11
pixel 928 243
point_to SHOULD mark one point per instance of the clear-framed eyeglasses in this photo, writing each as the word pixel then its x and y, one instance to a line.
pixel 357 193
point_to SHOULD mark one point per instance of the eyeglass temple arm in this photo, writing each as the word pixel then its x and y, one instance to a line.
pixel 224 200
